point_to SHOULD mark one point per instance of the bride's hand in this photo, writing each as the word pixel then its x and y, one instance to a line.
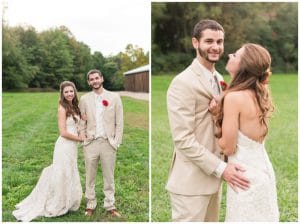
pixel 82 138
pixel 214 106
pixel 83 117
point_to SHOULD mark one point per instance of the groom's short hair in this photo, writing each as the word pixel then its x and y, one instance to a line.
pixel 206 24
pixel 92 72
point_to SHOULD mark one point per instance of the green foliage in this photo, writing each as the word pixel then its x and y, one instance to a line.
pixel 281 145
pixel 161 63
pixel 57 58
pixel 44 60
pixel 17 72
pixel 29 134
pixel 109 70
pixel 273 25
pixel 82 63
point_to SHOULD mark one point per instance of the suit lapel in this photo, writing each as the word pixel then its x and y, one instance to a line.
pixel 91 102
pixel 198 70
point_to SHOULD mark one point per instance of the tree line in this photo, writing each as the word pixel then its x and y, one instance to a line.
pixel 273 25
pixel 42 60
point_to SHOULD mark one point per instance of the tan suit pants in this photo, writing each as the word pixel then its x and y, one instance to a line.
pixel 198 208
pixel 100 150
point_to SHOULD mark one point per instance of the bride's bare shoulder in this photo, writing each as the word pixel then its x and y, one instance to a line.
pixel 236 96
pixel 61 108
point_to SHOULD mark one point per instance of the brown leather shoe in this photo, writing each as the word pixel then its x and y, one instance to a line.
pixel 89 212
pixel 114 213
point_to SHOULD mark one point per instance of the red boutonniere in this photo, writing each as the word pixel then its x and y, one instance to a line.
pixel 223 85
pixel 105 103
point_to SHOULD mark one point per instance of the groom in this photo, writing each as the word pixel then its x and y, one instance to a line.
pixel 102 124
pixel 195 180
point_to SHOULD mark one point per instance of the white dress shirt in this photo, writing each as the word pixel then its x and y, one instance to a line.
pixel 212 78
pixel 100 131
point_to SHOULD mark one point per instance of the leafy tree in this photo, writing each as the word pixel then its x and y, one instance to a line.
pixel 44 60
pixel 133 57
pixel 98 60
pixel 30 48
pixel 82 62
pixel 17 72
pixel 285 37
pixel 57 58
pixel 109 71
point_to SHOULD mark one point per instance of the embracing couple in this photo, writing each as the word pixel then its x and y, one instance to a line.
pixel 96 122
pixel 219 133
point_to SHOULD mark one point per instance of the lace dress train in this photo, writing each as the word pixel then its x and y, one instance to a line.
pixel 58 189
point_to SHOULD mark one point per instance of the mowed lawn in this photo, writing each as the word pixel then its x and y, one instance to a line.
pixel 281 145
pixel 29 123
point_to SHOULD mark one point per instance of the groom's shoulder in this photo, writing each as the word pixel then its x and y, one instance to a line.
pixel 184 75
pixel 111 93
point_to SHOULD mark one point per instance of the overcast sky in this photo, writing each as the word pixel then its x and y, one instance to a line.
pixel 104 25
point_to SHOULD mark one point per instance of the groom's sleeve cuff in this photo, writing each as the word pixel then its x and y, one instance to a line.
pixel 220 169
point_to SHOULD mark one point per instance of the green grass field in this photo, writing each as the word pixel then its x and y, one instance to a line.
pixel 281 145
pixel 29 123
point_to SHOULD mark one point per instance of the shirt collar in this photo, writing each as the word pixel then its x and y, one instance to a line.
pixel 207 73
pixel 98 95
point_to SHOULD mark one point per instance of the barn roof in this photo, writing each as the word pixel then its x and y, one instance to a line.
pixel 137 70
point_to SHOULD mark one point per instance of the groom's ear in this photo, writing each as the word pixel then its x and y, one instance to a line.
pixel 195 43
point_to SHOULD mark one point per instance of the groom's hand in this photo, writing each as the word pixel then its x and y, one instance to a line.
pixel 233 176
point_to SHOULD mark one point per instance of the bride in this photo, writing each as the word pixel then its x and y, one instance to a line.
pixel 58 189
pixel 243 126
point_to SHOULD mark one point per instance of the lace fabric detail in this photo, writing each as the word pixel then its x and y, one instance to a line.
pixel 259 202
pixel 58 189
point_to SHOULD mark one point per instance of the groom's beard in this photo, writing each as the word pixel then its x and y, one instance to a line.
pixel 96 85
pixel 204 54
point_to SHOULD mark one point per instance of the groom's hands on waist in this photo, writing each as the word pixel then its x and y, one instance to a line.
pixel 234 177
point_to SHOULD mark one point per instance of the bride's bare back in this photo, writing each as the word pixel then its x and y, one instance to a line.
pixel 249 121
pixel 241 112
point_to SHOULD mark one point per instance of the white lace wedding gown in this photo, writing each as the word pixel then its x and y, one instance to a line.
pixel 259 202
pixel 58 189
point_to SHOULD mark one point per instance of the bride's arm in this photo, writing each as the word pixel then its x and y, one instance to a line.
pixel 62 118
pixel 230 123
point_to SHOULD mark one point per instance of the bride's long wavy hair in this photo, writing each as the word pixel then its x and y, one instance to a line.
pixel 71 109
pixel 253 75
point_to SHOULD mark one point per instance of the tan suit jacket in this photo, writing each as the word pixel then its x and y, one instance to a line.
pixel 196 154
pixel 113 117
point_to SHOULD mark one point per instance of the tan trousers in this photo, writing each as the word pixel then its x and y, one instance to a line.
pixel 198 208
pixel 100 150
